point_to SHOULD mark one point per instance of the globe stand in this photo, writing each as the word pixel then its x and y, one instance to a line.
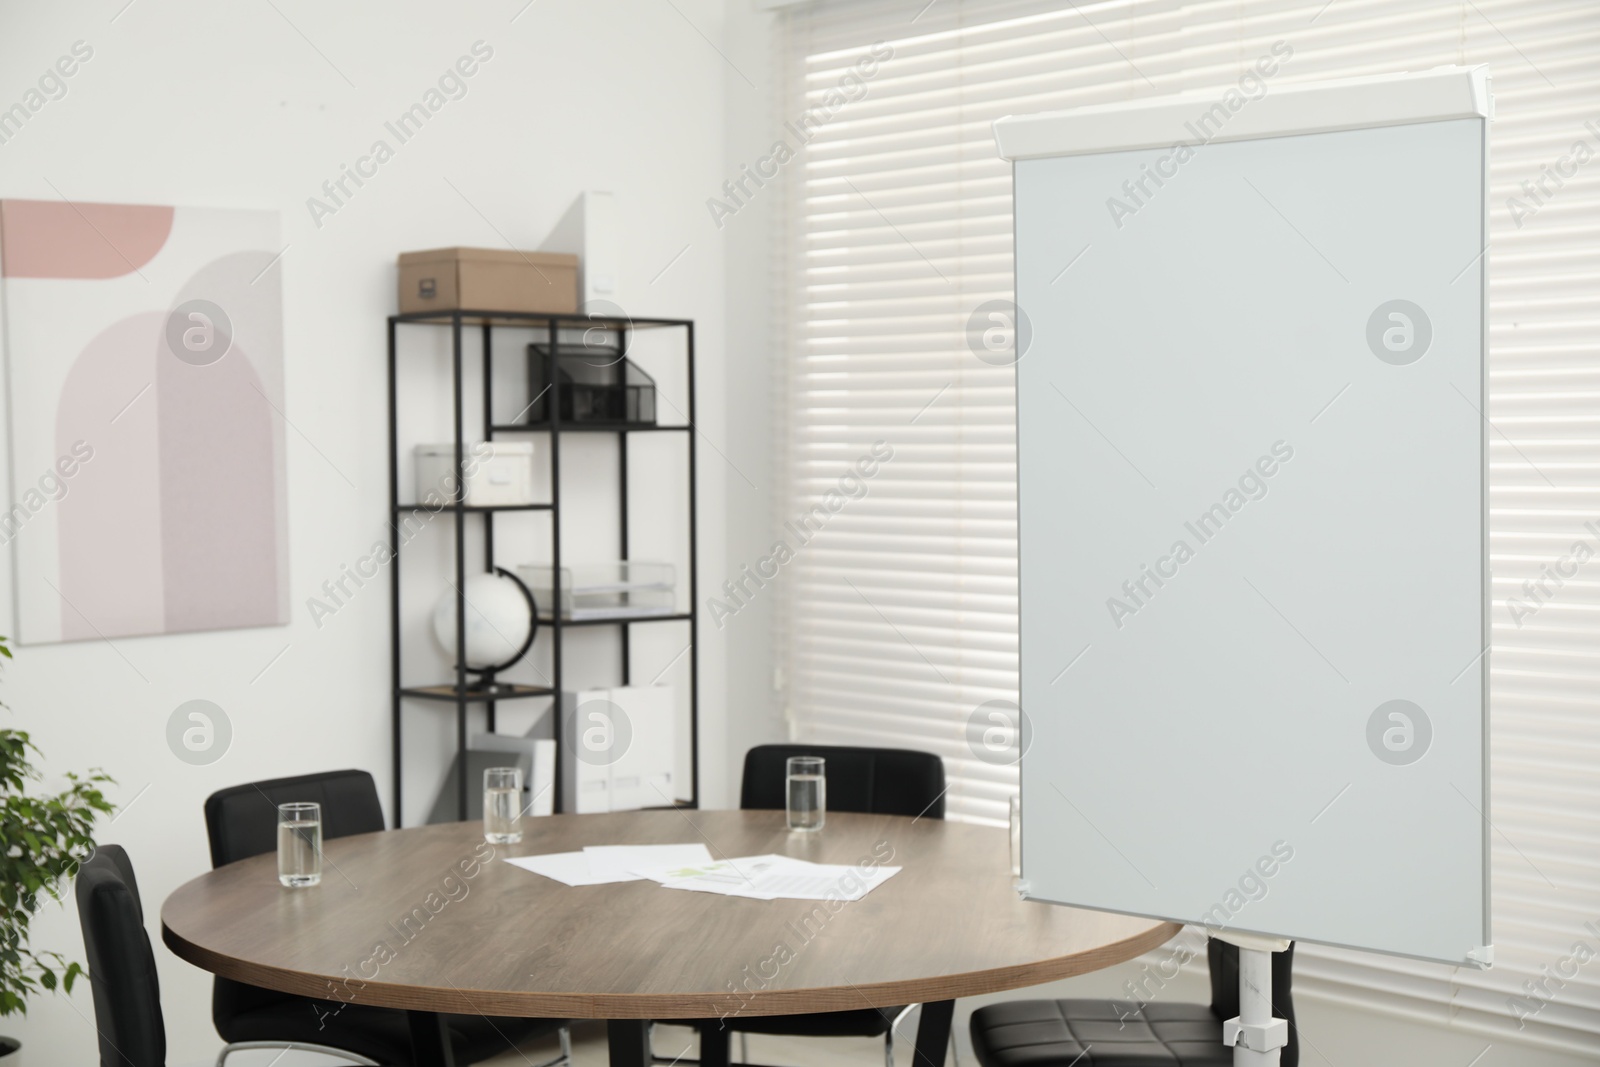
pixel 486 684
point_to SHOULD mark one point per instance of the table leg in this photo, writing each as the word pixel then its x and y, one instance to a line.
pixel 933 1033
pixel 715 1039
pixel 430 1039
pixel 629 1041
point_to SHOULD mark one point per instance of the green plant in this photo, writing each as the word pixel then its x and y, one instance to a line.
pixel 43 839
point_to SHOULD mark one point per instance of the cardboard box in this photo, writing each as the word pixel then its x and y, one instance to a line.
pixel 488 279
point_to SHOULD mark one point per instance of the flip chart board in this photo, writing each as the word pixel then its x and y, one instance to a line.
pixel 1251 447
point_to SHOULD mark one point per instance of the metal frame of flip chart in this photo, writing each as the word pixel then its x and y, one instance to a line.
pixel 1250 355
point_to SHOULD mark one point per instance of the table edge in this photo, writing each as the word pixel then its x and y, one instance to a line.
pixel 673 1005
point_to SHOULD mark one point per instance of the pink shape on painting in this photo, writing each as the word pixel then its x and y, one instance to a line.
pixel 219 532
pixel 221 457
pixel 176 521
pixel 55 239
pixel 109 522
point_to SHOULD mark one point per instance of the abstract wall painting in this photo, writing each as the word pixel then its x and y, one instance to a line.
pixel 144 356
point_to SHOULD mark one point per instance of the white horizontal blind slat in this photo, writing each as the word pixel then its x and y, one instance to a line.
pixel 898 614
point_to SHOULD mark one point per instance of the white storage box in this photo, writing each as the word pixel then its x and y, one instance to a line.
pixel 498 473
pixel 617 751
pixel 625 589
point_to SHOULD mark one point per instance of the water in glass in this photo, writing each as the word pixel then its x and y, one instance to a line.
pixel 299 845
pixel 502 805
pixel 808 793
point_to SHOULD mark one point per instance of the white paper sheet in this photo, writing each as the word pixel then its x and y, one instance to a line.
pixel 823 882
pixel 620 862
pixel 774 877
pixel 571 868
pixel 690 867
pixel 735 873
pixel 603 864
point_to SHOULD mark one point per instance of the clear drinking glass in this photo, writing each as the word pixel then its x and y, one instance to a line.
pixel 808 793
pixel 502 805
pixel 299 844
pixel 1016 838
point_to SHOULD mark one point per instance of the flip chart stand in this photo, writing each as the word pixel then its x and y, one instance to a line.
pixel 1254 1035
pixel 1197 336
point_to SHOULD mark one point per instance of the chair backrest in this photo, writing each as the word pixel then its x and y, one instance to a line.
pixel 1223 959
pixel 242 821
pixel 875 781
pixel 122 967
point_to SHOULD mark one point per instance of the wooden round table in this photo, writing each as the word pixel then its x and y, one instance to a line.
pixel 429 920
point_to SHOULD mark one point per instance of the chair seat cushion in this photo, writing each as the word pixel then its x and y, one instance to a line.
pixel 855 1022
pixel 1097 1033
pixel 382 1034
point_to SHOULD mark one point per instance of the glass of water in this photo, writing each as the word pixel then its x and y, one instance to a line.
pixel 299 844
pixel 808 793
pixel 502 805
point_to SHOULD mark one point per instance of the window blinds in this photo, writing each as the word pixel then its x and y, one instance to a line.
pixel 895 439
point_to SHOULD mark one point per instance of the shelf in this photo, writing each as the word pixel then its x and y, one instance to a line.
pixel 588 427
pixel 449 694
pixel 616 620
pixel 497 542
pixel 523 320
pixel 470 509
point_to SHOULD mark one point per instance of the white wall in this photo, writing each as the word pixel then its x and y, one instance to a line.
pixel 186 102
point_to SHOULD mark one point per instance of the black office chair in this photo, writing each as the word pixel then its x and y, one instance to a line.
pixel 1100 1033
pixel 242 821
pixel 122 970
pixel 874 781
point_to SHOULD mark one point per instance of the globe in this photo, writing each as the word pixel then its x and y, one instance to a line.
pixel 498 621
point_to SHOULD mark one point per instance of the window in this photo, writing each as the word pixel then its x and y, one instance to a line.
pixel 896 437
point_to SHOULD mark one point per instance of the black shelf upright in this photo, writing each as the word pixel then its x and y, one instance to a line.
pixel 460 694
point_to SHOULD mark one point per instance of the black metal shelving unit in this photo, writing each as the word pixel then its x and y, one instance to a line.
pixel 459 693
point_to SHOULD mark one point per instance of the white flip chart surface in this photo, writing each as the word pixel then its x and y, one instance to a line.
pixel 1253 525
